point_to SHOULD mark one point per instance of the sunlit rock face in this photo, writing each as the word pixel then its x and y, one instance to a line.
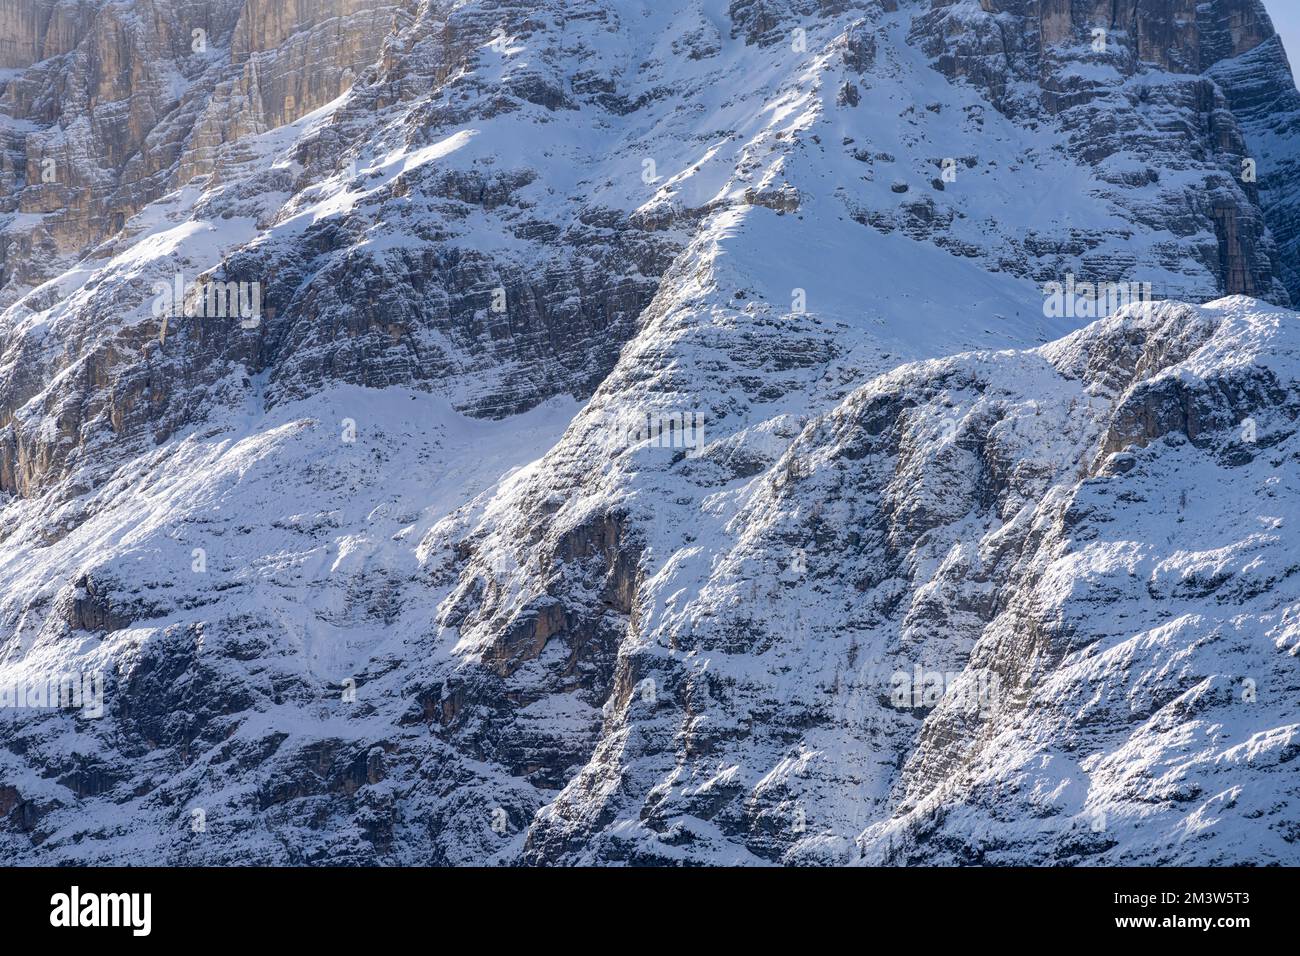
pixel 604 432
pixel 113 105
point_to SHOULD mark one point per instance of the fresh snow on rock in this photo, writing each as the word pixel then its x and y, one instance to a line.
pixel 401 572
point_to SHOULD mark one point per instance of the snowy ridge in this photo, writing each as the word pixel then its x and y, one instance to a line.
pixel 399 576
pixel 932 520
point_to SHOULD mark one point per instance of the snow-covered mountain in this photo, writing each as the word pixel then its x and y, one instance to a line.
pixel 641 433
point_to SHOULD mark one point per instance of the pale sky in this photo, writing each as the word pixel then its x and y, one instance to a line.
pixel 1286 20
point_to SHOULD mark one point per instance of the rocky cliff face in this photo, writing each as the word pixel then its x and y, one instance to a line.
pixel 1118 79
pixel 111 106
pixel 649 443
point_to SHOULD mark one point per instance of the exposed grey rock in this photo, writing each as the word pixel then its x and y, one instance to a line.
pixel 395 574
